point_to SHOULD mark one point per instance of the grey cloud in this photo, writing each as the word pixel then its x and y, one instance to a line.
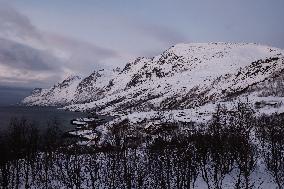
pixel 15 82
pixel 21 50
pixel 276 39
pixel 20 56
pixel 152 53
pixel 13 22
pixel 100 52
pixel 165 35
pixel 81 57
pixel 81 52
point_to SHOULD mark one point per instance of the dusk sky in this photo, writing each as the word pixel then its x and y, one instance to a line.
pixel 41 42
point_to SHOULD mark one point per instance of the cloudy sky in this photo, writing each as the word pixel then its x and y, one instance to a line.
pixel 41 42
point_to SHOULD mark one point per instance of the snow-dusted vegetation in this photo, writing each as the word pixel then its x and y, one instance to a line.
pixel 234 149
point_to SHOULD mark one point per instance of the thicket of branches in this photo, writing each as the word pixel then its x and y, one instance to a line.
pixel 229 147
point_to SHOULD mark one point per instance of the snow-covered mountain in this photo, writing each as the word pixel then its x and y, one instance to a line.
pixel 59 95
pixel 186 76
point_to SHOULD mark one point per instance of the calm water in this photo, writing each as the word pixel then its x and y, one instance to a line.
pixel 39 115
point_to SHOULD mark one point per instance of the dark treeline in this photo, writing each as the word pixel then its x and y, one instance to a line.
pixel 225 153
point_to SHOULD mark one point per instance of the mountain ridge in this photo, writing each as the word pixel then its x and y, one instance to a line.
pixel 184 76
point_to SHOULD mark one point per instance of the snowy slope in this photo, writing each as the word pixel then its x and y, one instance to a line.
pixel 58 95
pixel 185 76
pixel 189 75
pixel 73 89
pixel 94 86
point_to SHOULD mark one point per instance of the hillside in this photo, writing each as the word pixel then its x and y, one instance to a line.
pixel 186 78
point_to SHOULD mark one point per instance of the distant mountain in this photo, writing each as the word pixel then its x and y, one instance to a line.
pixel 186 76
pixel 60 94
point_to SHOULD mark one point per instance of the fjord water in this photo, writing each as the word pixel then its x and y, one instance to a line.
pixel 37 115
